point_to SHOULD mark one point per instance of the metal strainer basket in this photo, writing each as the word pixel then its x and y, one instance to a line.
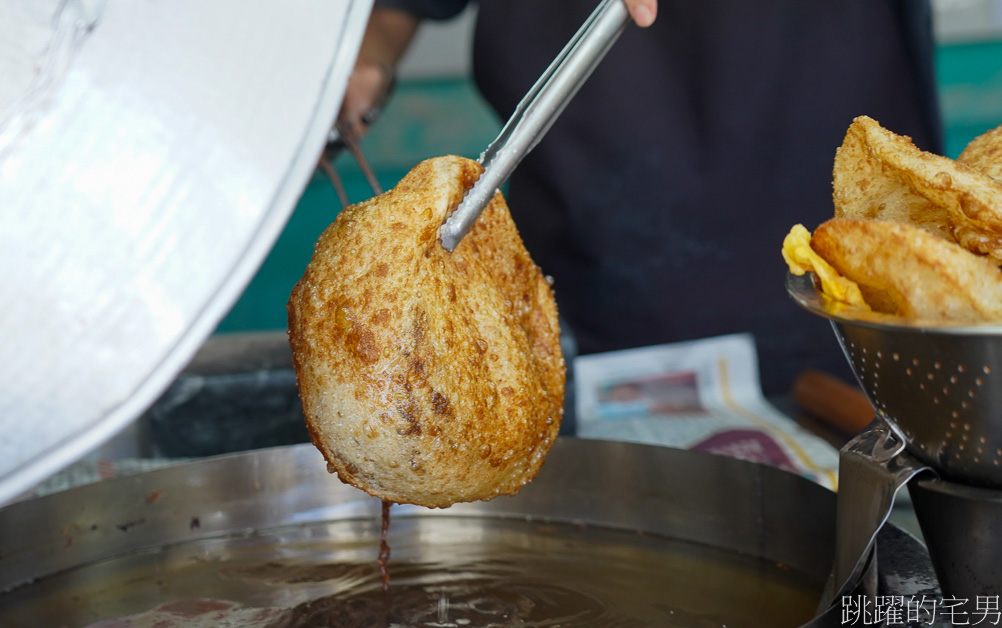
pixel 940 387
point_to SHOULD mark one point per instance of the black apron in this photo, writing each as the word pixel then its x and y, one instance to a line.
pixel 659 200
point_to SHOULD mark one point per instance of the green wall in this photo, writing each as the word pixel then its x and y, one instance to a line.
pixel 970 87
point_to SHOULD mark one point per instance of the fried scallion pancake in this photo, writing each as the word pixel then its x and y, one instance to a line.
pixel 427 377
pixel 902 269
pixel 984 153
pixel 866 185
pixel 879 174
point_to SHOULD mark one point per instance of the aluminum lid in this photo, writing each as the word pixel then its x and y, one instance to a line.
pixel 150 155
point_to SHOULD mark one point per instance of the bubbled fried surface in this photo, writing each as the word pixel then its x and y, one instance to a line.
pixel 904 270
pixel 879 174
pixel 865 185
pixel 427 377
pixel 984 153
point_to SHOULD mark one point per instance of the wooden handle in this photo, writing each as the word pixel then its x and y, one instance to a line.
pixel 837 403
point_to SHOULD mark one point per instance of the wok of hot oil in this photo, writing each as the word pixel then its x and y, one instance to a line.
pixel 448 571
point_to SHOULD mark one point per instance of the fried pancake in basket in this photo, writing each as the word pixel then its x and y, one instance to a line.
pixel 866 186
pixel 984 153
pixel 902 269
pixel 879 174
pixel 427 377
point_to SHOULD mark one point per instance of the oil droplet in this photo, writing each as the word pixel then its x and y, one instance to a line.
pixel 331 468
pixel 368 430
pixel 416 466
pixel 485 451
pixel 393 464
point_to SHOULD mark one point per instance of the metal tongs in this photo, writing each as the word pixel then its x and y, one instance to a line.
pixel 344 135
pixel 537 112
pixel 339 138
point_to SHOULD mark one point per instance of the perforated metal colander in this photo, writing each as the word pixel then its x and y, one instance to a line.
pixel 940 387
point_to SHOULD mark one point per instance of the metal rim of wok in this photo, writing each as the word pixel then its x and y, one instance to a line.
pixel 744 507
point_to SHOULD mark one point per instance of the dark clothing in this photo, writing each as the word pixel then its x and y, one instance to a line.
pixel 660 199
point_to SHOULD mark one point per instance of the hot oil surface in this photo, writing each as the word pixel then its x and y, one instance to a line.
pixel 445 572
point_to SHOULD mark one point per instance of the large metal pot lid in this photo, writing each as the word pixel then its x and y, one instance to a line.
pixel 150 154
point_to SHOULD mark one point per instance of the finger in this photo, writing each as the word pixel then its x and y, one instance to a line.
pixel 643 12
pixel 364 91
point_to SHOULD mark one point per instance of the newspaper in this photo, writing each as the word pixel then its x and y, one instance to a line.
pixel 702 395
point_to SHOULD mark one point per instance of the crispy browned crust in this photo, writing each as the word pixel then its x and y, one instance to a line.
pixel 904 270
pixel 879 174
pixel 865 186
pixel 427 377
pixel 984 153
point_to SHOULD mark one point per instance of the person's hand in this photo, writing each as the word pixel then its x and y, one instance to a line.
pixel 387 36
pixel 643 12
pixel 368 88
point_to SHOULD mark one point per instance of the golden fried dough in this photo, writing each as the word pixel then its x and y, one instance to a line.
pixel 865 185
pixel 427 377
pixel 984 153
pixel 904 270
pixel 877 160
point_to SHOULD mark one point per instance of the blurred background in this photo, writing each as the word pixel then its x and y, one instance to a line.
pixel 436 110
